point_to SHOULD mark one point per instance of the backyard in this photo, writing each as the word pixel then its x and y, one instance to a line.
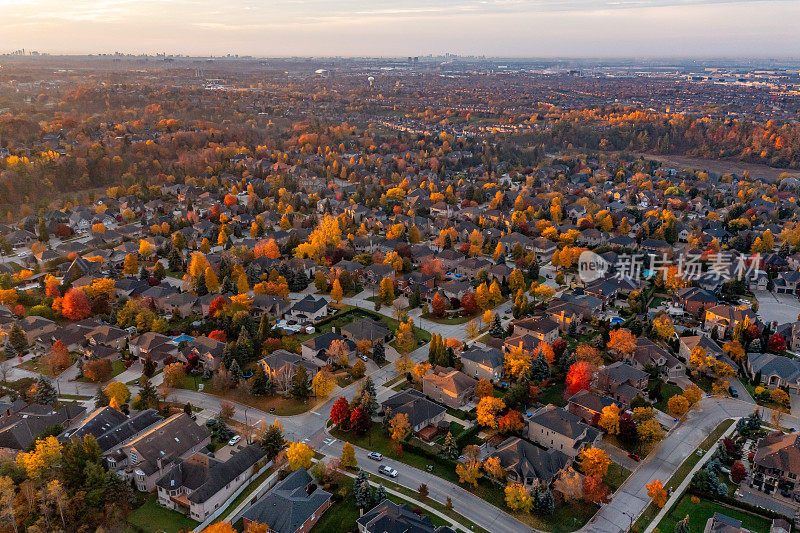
pixel 699 513
pixel 152 517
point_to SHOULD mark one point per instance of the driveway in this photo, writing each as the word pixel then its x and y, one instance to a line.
pixel 759 499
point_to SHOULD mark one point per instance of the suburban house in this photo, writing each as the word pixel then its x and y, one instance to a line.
pixel 588 405
pixel 724 318
pixel 20 429
pixel 787 282
pixel 695 300
pixel 316 348
pixel 649 353
pixel 198 485
pixel 449 387
pixel 281 366
pixel 687 344
pixel 309 308
pixel 148 457
pixel 776 463
pixel 483 363
pixel 543 328
pixel 720 523
pixel 421 411
pixel 555 427
pixel 366 329
pixel 388 516
pixel 775 370
pixel 623 382
pixel 529 464
pixel 292 506
pixel 208 352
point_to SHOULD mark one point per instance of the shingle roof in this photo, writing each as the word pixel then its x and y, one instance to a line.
pixel 287 506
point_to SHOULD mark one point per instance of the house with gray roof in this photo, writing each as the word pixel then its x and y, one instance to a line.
pixel 529 464
pixel 622 381
pixel 388 516
pixel 421 411
pixel 556 428
pixel 293 505
pixel 483 363
pixel 775 370
pixel 198 485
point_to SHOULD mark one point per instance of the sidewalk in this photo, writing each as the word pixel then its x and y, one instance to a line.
pixel 678 492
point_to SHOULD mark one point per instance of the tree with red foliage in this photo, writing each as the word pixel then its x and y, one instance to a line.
pixel 359 420
pixel 579 377
pixel 559 347
pixel 19 310
pixel 75 305
pixel 777 343
pixel 215 211
pixel 464 249
pixel 511 422
pixel 738 473
pixel 340 412
pixel 216 306
pixel 627 429
pixel 218 335
pixel 438 305
pixel 753 332
pixel 468 303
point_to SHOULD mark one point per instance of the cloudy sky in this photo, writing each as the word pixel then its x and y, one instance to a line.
pixel 595 28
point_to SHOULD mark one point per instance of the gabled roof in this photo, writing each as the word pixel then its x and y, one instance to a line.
pixel 565 423
pixel 530 461
pixel 413 403
pixel 288 505
pixel 490 357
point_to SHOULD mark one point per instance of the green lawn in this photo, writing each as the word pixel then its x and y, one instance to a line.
pixel 616 476
pixel 450 320
pixel 553 393
pixel 668 390
pixel 699 513
pixel 152 517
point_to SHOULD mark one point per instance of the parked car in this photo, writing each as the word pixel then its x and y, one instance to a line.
pixel 234 440
pixel 733 392
pixel 364 358
pixel 375 456
pixel 211 422
pixel 387 471
pixel 634 456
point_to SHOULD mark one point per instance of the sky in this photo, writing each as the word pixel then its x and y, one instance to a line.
pixel 507 28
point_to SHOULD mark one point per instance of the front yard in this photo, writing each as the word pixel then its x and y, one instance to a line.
pixel 699 513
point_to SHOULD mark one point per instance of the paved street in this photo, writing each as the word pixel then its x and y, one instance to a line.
pixel 780 308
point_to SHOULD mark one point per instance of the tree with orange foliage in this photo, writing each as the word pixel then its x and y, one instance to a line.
pixel 589 354
pixel 485 388
pixel 75 305
pixel 219 527
pixel 52 286
pixel 58 358
pixel 657 492
pixel 511 422
pixel 594 462
pixel 547 350
pixel 487 411
pixel 98 370
pixel 622 341
pixel 594 490
pixel 438 305
pixel 230 200
pixel 336 291
pixel 579 377
pixel 267 249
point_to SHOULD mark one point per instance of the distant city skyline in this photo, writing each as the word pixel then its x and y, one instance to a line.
pixel 507 28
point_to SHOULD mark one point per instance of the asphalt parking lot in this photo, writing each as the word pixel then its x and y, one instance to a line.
pixel 780 308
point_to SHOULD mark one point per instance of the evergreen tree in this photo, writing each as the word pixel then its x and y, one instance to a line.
pixel 683 525
pixel 379 496
pixel 144 274
pixel 227 285
pixel 379 353
pixel 244 347
pixel 299 282
pixel 44 236
pixel 175 260
pixel 228 354
pixel 367 397
pixel 101 398
pixel 573 329
pixel 450 450
pixel 273 441
pixel 147 397
pixel 362 490
pixel 236 372
pixel 301 388
pixel 200 288
pixel 45 393
pixel 159 272
pixel 496 330
pixel 565 361
pixel 17 338
pixel 540 369
pixel 260 384
pixel 9 351
pixel 263 328
pixel 543 502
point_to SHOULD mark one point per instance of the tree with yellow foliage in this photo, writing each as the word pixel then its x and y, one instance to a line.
pixel 386 291
pixel 487 411
pixel 323 384
pixel 299 455
pixel 693 394
pixel 327 233
pixel 594 462
pixel 678 405
pixel 494 468
pixel 499 251
pixel 118 391
pixel 518 498
pixel 517 360
pixel 212 282
pixel 45 454
pixel 650 430
pixel 663 327
pixel 622 341
pixel 145 249
pixel 609 419
pixel 348 458
pixel 399 427
pixel 130 265
pixel 544 293
pixel 336 291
